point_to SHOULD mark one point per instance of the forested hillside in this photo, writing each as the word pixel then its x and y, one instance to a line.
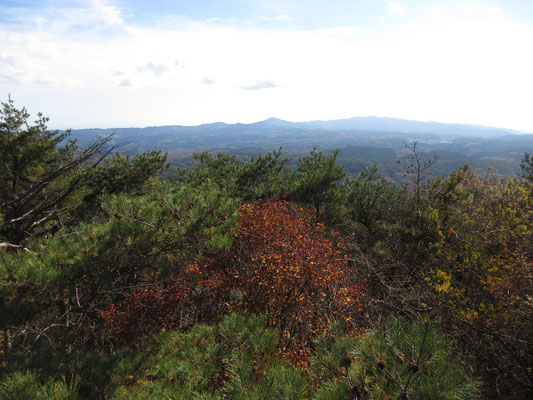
pixel 361 142
pixel 259 277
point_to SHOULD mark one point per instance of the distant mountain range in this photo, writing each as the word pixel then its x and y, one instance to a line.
pixel 361 140
pixel 174 137
pixel 381 124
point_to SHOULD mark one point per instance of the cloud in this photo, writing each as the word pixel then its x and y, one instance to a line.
pixel 104 11
pixel 156 69
pixel 91 15
pixel 395 9
pixel 261 85
pixel 8 78
pixel 453 65
pixel 281 17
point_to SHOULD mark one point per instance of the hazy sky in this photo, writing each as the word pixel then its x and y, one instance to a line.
pixel 115 63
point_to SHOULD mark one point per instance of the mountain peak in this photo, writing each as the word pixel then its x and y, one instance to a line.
pixel 273 123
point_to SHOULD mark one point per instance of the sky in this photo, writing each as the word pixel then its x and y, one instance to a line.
pixel 120 63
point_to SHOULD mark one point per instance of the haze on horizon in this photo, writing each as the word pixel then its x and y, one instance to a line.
pixel 117 63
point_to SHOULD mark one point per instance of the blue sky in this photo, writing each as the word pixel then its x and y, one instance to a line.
pixel 115 63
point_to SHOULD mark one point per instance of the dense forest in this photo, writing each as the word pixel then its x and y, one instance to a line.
pixel 263 278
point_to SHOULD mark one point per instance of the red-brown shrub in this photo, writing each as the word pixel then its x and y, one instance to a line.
pixel 281 264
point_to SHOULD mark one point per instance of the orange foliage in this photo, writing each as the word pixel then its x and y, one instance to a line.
pixel 191 296
pixel 281 264
pixel 3 362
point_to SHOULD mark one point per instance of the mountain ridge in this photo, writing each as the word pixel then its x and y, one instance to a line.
pixel 362 141
pixel 374 123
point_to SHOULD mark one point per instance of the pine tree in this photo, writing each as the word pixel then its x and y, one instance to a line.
pixel 402 361
pixel 317 179
pixel 526 165
pixel 39 174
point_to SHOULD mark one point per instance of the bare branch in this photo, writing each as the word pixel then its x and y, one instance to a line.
pixel 14 246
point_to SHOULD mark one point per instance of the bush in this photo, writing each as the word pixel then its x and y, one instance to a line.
pixel 481 275
pixel 402 361
pixel 280 264
pixel 235 359
pixel 25 386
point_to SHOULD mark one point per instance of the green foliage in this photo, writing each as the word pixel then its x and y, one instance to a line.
pixel 220 170
pixel 526 165
pixel 171 222
pixel 261 177
pixel 25 386
pixel 118 174
pixel 385 239
pixel 368 206
pixel 235 359
pixel 19 386
pixel 481 273
pixel 402 361
pixel 49 183
pixel 38 177
pixel 60 287
pixel 317 179
pixel 265 176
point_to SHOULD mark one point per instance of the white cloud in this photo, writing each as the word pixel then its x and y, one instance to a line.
pixel 281 17
pixel 261 85
pixel 89 15
pixel 395 9
pixel 102 10
pixel 455 65
pixel 156 69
